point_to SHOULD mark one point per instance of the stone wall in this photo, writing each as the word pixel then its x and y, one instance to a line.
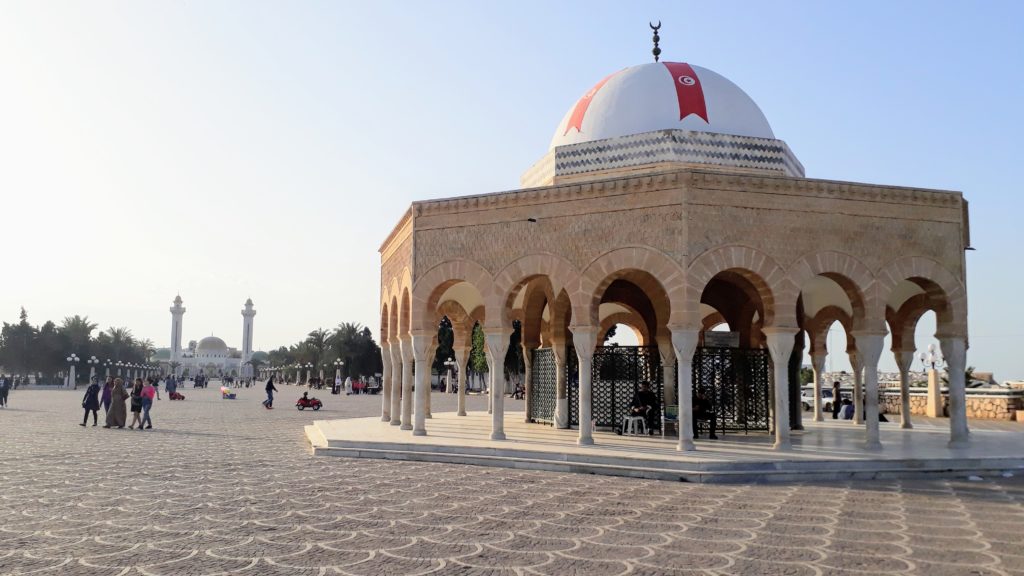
pixel 979 405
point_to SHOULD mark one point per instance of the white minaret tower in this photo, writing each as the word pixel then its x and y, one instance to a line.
pixel 177 311
pixel 247 315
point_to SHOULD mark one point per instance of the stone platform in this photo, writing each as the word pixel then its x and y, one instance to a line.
pixel 831 450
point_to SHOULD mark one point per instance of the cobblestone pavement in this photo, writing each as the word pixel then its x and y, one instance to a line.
pixel 227 487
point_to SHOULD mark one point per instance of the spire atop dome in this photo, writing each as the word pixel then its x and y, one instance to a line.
pixel 656 51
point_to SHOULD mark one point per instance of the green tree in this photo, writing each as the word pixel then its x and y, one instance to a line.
pixel 316 346
pixel 477 355
pixel 78 331
pixel 445 341
pixel 806 375
pixel 17 342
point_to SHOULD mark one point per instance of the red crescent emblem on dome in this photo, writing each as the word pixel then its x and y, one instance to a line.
pixel 688 90
pixel 576 120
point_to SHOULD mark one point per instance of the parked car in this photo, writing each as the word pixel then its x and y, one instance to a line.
pixel 807 399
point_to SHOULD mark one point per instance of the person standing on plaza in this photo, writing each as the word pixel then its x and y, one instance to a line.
pixel 269 402
pixel 348 385
pixel 149 391
pixel 136 397
pixel 837 400
pixel 91 402
pixel 108 387
pixel 5 389
pixel 117 415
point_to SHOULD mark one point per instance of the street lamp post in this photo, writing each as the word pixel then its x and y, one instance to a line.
pixel 72 360
pixel 931 360
pixel 309 371
pixel 337 375
pixel 298 374
pixel 119 366
pixel 448 386
pixel 92 362
pixel 106 364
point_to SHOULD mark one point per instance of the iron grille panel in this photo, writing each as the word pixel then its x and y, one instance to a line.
pixel 736 382
pixel 542 385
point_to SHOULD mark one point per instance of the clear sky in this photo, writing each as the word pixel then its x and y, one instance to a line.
pixel 227 150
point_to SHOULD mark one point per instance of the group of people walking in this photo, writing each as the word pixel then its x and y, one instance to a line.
pixel 112 397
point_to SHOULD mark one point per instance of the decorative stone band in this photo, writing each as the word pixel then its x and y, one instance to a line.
pixel 662 146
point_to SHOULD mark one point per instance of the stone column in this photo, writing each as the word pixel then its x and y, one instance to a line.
pixel 496 340
pixel 385 385
pixel 869 349
pixel 397 379
pixel 407 360
pixel 954 349
pixel 421 347
pixel 684 342
pixel 668 379
pixel 933 409
pixel 561 395
pixel 461 352
pixel 780 345
pixel 527 378
pixel 429 380
pixel 818 363
pixel 857 363
pixel 903 362
pixel 585 338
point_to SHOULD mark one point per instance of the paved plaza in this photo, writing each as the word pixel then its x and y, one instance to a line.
pixel 227 487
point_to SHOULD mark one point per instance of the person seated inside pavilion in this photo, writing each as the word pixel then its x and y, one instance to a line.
pixel 645 404
pixel 703 412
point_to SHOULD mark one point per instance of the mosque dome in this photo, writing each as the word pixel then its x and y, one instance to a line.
pixel 661 96
pixel 212 344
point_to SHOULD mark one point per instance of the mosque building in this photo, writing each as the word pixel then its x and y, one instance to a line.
pixel 665 202
pixel 210 356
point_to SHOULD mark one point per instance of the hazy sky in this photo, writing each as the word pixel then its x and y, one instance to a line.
pixel 225 150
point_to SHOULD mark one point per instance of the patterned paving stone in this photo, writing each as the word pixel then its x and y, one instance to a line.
pixel 225 487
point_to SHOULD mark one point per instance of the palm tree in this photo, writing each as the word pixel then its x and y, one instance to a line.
pixel 147 347
pixel 78 331
pixel 345 344
pixel 316 345
pixel 121 341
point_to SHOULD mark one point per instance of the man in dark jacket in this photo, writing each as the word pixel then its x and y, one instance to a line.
pixel 702 410
pixel 645 403
pixel 269 402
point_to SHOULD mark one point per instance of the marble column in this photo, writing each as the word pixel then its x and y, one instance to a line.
pixel 903 362
pixel 818 364
pixel 461 353
pixel 385 385
pixel 407 360
pixel 561 388
pixel 869 348
pixel 527 378
pixel 422 344
pixel 397 375
pixel 857 362
pixel 429 392
pixel 684 343
pixel 585 338
pixel 780 346
pixel 954 350
pixel 496 340
pixel 668 375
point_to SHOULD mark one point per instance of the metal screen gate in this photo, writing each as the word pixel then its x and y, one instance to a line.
pixel 542 386
pixel 736 381
pixel 615 377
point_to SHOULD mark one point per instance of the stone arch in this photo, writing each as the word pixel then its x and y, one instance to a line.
pixel 946 293
pixel 561 274
pixel 385 317
pixel 393 319
pixel 848 272
pixel 776 291
pixel 650 269
pixel 818 325
pixel 435 282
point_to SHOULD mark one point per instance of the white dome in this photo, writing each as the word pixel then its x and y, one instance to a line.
pixel 212 344
pixel 653 96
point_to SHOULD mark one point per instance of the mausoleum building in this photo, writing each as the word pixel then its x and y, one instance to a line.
pixel 666 203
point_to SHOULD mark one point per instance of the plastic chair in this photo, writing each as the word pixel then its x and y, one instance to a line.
pixel 634 426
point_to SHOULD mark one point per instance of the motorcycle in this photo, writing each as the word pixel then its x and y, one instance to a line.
pixel 313 403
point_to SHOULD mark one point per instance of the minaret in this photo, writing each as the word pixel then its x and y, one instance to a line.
pixel 247 315
pixel 177 311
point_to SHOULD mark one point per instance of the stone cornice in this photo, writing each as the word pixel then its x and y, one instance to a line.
pixel 398 233
pixel 836 189
pixel 690 178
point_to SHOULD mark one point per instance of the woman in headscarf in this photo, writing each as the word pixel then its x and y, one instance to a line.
pixel 108 387
pixel 91 401
pixel 118 413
